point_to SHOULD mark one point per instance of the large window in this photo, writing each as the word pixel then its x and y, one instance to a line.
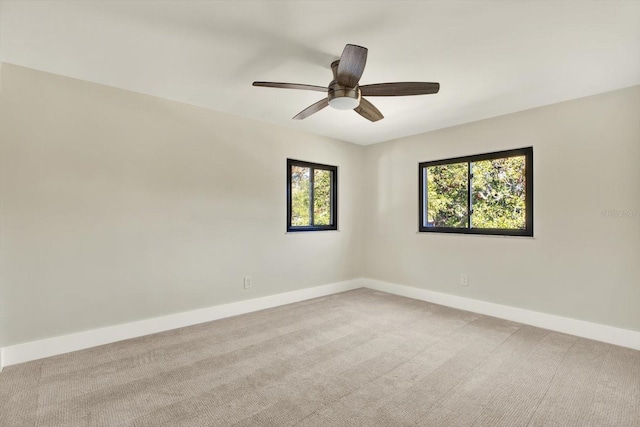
pixel 312 196
pixel 484 194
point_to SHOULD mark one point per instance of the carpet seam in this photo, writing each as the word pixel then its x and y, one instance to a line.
pixel 390 370
pixel 555 373
pixel 464 379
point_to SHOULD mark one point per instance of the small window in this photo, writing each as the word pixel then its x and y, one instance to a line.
pixel 484 194
pixel 312 196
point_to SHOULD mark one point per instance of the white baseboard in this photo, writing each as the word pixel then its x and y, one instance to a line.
pixel 33 350
pixel 581 328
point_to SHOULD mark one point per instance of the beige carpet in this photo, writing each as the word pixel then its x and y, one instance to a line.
pixel 360 358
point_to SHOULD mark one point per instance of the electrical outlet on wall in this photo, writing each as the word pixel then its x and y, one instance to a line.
pixel 247 282
pixel 464 279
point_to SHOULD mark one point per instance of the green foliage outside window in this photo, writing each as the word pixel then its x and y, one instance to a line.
pixel 498 196
pixel 498 189
pixel 302 197
pixel 447 195
pixel 321 197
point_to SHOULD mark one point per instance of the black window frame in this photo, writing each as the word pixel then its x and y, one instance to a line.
pixel 334 196
pixel 422 208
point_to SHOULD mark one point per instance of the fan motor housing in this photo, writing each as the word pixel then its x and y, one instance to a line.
pixel 342 97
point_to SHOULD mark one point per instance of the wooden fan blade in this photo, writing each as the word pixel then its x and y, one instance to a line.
pixel 400 89
pixel 351 65
pixel 312 109
pixel 368 111
pixel 291 86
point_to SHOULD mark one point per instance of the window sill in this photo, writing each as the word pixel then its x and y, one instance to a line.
pixel 493 236
pixel 311 231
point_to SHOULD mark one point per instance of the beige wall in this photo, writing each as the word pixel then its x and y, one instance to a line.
pixel 118 206
pixel 580 264
pixel 3 305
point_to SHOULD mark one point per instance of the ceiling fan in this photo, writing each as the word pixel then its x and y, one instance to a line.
pixel 344 93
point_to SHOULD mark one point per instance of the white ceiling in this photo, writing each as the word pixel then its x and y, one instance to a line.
pixel 491 58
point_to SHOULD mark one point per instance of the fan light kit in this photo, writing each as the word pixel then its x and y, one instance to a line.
pixel 344 93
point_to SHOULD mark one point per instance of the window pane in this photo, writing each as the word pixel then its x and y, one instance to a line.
pixel 300 196
pixel 322 197
pixel 447 195
pixel 498 193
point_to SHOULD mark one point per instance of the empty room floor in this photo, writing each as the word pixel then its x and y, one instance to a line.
pixel 358 358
